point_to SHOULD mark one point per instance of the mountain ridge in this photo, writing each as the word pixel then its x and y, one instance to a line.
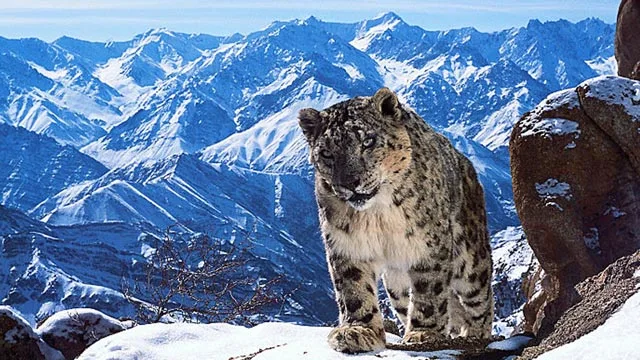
pixel 201 131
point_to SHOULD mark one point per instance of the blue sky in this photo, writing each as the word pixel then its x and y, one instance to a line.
pixel 102 20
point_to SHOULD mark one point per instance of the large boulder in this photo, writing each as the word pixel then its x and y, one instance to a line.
pixel 627 42
pixel 72 331
pixel 19 341
pixel 575 164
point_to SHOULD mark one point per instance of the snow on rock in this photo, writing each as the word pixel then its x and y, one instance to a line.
pixel 613 103
pixel 72 331
pixel 566 98
pixel 552 127
pixel 617 91
pixel 269 341
pixel 616 339
pixel 615 212
pixel 552 188
pixel 19 341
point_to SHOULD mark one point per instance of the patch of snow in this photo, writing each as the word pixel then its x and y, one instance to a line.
pixel 457 71
pixel 567 98
pixel 364 38
pixel 353 72
pixel 554 204
pixel 161 149
pixel 551 127
pixel 51 74
pixel 604 66
pixel 497 129
pixel 511 344
pixel 616 90
pixel 285 78
pixel 269 341
pixel 113 74
pixel 64 322
pixel 561 73
pixel 397 74
pixel 552 189
pixel 279 209
pixel 616 339
pixel 506 326
pixel 49 352
pixel 275 144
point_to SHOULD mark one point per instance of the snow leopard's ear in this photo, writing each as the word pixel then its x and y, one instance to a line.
pixel 309 120
pixel 386 102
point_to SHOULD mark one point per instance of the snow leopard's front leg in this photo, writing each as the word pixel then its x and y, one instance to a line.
pixel 428 308
pixel 360 328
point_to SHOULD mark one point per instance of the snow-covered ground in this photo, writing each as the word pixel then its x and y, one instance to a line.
pixel 618 338
pixel 269 341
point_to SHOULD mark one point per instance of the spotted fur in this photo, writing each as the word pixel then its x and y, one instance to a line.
pixel 397 201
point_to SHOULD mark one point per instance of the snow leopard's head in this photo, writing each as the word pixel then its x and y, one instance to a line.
pixel 358 146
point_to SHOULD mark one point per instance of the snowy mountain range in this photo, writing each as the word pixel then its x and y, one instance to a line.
pixel 103 144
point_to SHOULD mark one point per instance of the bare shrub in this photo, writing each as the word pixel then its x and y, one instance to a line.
pixel 198 278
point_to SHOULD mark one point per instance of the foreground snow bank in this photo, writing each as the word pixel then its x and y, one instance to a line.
pixel 269 341
pixel 616 339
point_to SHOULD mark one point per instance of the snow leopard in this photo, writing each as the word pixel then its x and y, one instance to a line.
pixel 397 201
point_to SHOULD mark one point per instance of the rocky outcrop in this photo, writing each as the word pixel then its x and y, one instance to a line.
pixel 72 331
pixel 600 296
pixel 627 43
pixel 575 164
pixel 533 288
pixel 19 341
pixel 64 335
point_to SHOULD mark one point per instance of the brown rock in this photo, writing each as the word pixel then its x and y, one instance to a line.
pixel 576 185
pixel 627 42
pixel 600 296
pixel 613 104
pixel 536 295
pixel 72 331
pixel 18 341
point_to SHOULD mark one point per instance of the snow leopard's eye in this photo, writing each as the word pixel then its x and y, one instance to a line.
pixel 369 141
pixel 326 154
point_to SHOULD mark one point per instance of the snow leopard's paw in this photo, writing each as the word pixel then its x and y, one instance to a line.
pixel 356 339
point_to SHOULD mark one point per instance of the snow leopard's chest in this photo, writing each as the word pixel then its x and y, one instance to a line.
pixel 379 235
